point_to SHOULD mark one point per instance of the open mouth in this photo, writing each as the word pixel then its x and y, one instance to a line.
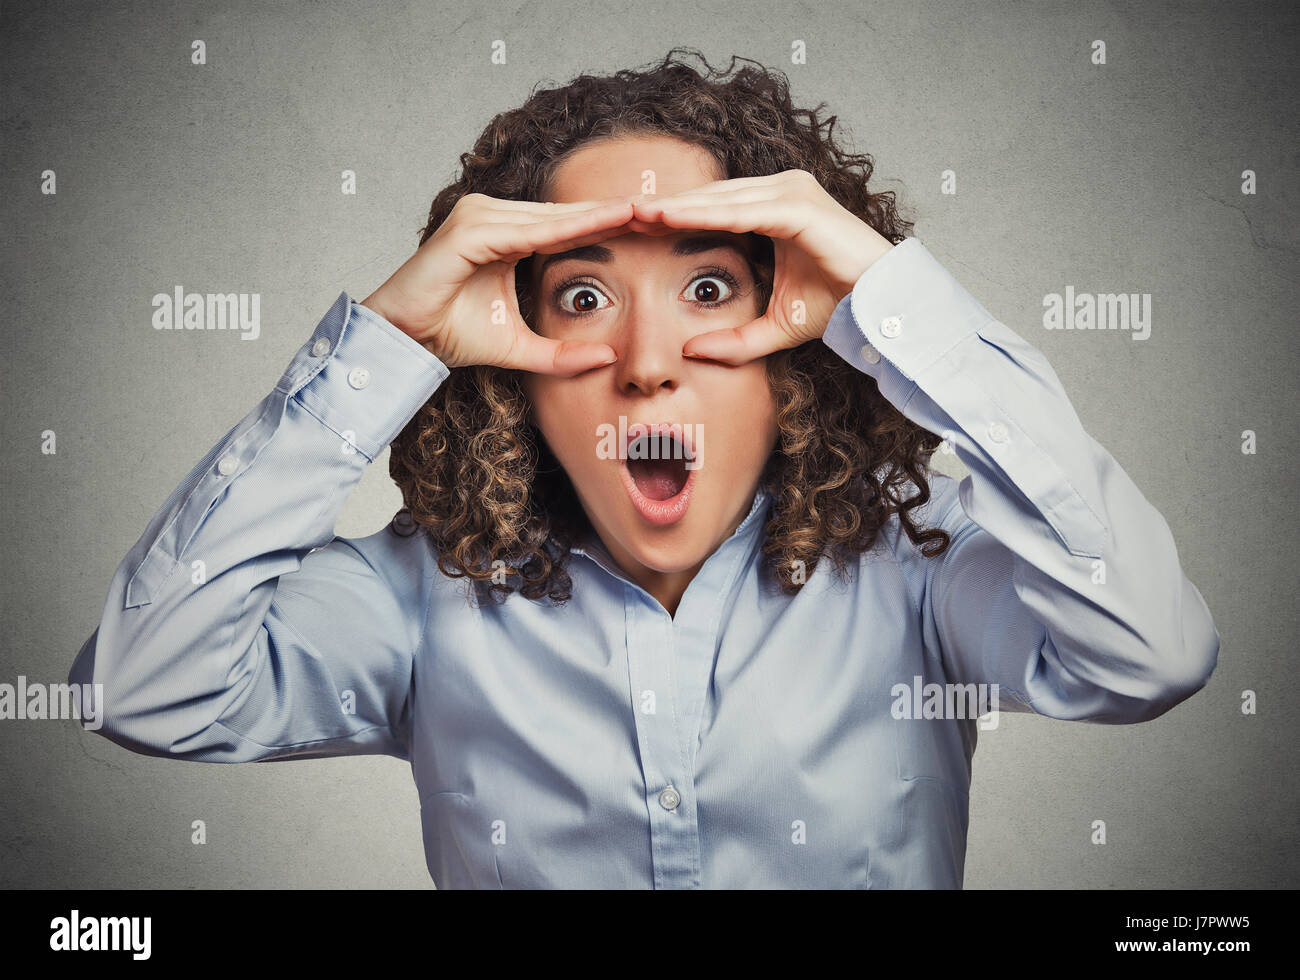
pixel 657 465
pixel 657 475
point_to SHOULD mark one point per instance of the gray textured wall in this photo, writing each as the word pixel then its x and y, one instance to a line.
pixel 225 177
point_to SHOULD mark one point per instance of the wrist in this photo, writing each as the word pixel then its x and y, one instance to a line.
pixel 877 247
pixel 861 254
pixel 375 305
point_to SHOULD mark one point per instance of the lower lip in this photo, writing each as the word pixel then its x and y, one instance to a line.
pixel 659 512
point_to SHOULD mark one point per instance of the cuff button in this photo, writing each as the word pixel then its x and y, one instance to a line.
pixel 358 377
pixel 870 354
pixel 891 326
pixel 320 348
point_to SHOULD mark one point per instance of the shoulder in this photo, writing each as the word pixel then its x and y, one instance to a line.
pixel 943 510
pixel 395 557
pixel 894 562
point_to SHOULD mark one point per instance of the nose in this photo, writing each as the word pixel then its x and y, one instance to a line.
pixel 649 348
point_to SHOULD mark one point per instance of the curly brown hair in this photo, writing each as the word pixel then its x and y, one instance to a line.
pixel 477 475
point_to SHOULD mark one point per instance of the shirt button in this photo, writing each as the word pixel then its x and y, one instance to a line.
pixel 320 348
pixel 891 326
pixel 998 433
pixel 870 354
pixel 669 799
pixel 358 377
pixel 227 465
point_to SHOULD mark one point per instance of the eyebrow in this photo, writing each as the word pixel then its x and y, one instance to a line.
pixel 691 245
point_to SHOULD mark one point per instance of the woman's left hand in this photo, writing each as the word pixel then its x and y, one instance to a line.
pixel 821 250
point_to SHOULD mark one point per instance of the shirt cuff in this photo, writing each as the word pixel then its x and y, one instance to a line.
pixel 362 376
pixel 871 319
pixel 948 365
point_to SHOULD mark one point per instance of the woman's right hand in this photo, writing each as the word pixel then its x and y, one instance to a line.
pixel 456 294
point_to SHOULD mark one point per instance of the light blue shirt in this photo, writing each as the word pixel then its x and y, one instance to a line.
pixel 753 740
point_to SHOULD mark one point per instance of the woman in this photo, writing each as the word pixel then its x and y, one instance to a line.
pixel 665 368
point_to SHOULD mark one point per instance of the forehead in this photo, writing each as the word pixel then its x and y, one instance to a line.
pixel 634 164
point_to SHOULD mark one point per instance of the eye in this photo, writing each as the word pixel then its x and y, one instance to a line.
pixel 584 295
pixel 716 287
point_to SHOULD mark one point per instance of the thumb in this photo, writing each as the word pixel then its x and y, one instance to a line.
pixel 562 358
pixel 739 345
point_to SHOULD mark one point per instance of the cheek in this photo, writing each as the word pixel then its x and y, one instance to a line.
pixel 745 421
pixel 560 411
pixel 757 395
pixel 542 398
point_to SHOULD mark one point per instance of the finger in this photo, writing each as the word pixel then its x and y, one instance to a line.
pixel 739 345
pixel 592 238
pixel 561 358
pixel 741 183
pixel 655 229
pixel 738 189
pixel 652 229
pixel 776 218
pixel 550 207
pixel 508 241
pixel 519 217
pixel 651 209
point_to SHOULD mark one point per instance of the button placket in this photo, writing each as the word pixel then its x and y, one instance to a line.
pixel 651 667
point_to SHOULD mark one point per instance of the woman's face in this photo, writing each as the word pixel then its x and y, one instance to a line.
pixel 645 296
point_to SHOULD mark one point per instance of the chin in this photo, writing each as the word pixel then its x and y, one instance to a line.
pixel 668 550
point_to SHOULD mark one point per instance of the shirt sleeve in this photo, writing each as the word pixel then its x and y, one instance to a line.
pixel 239 627
pixel 1062 583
